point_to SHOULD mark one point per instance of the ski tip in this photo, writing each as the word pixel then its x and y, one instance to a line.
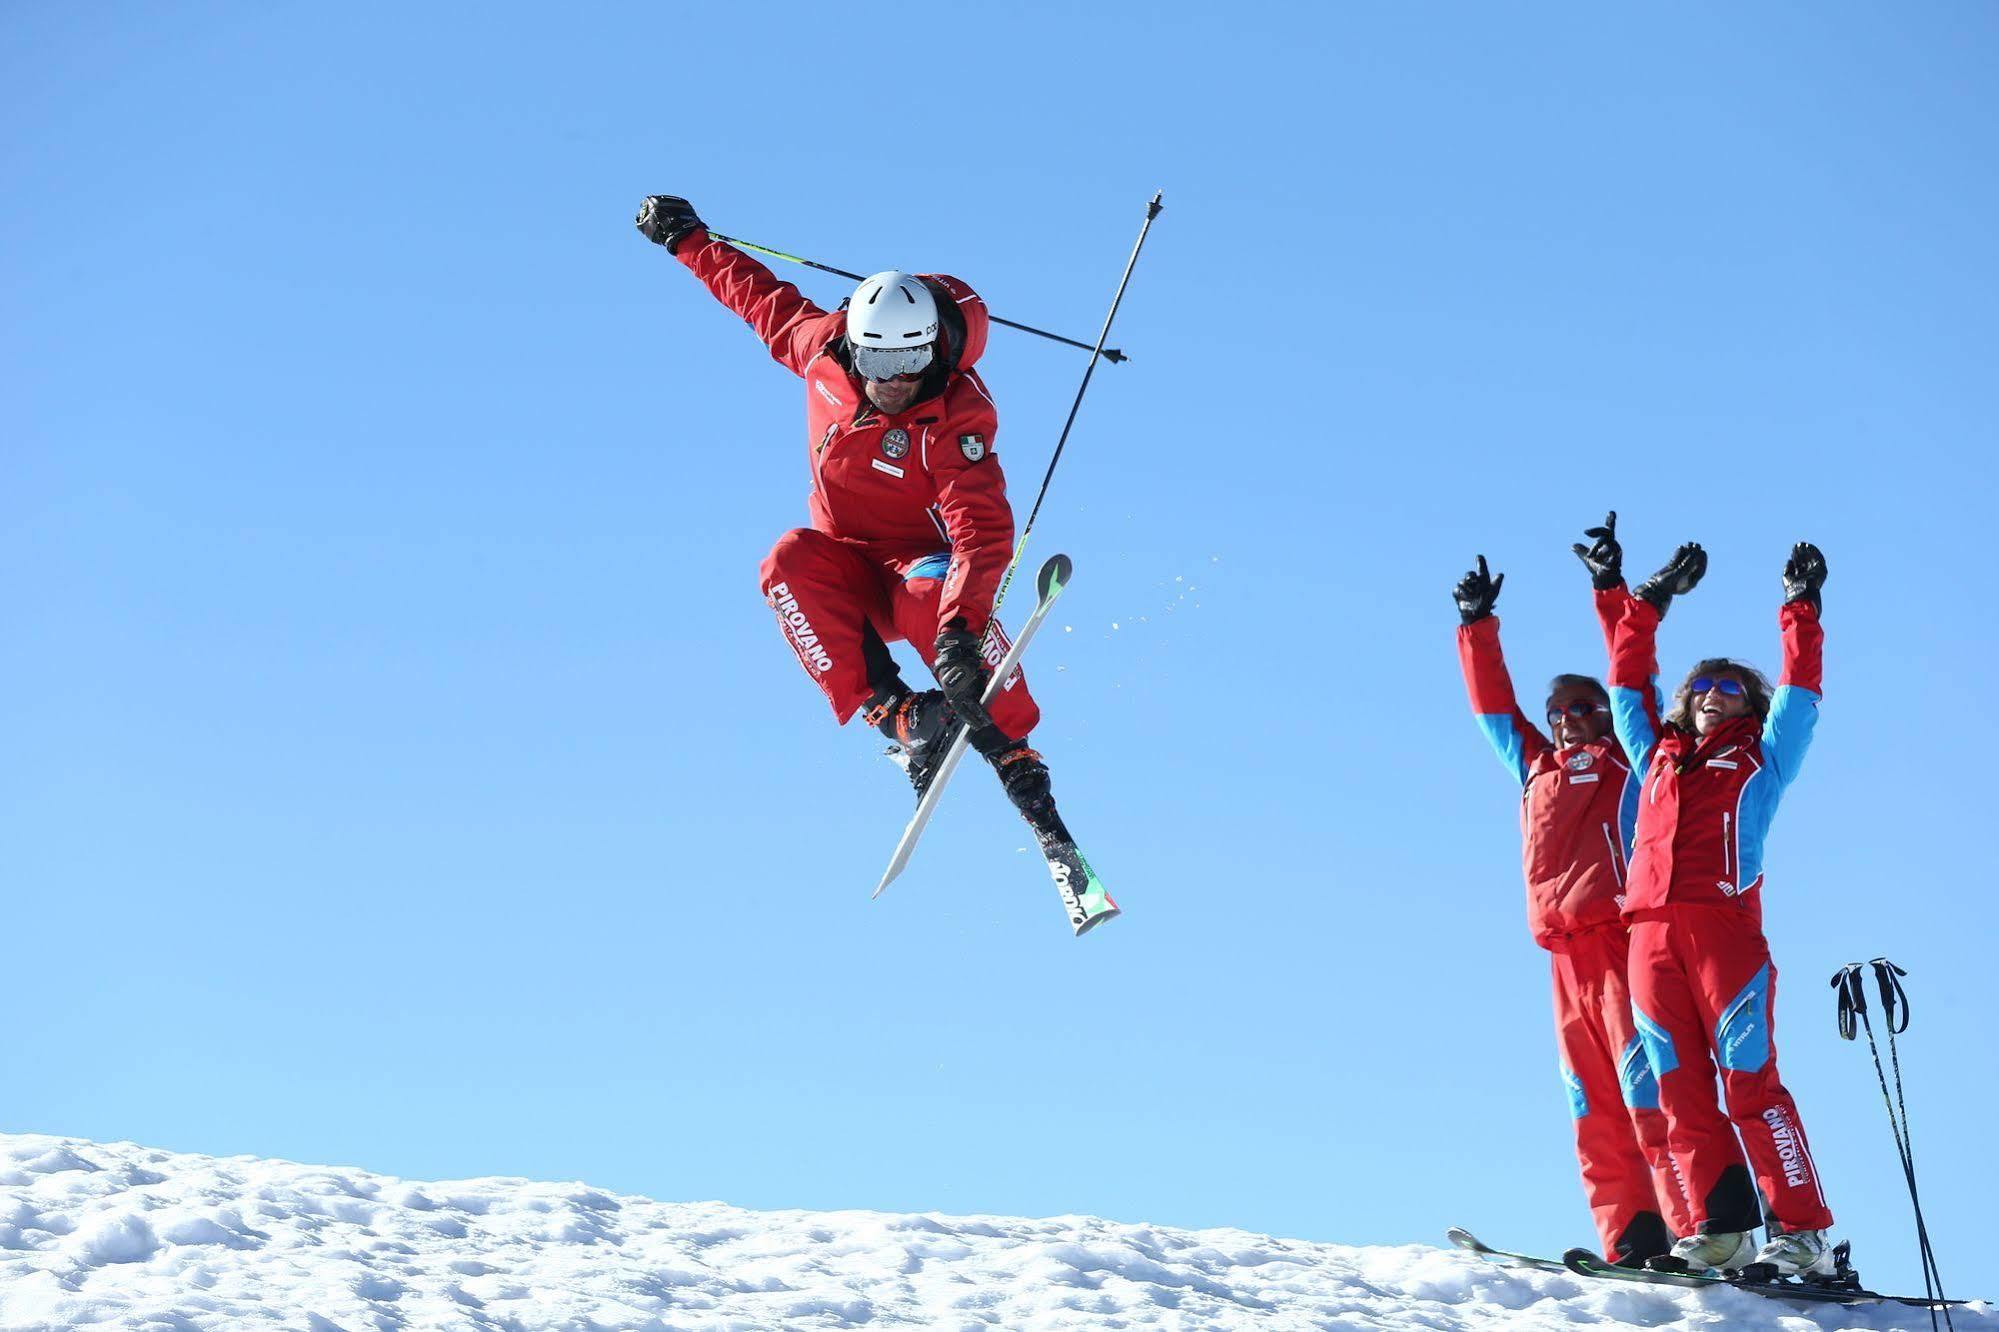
pixel 1054 576
pixel 1085 926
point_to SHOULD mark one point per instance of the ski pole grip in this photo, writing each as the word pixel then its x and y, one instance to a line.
pixel 1852 999
pixel 1892 994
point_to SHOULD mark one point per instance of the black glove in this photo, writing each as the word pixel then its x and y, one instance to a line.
pixel 666 219
pixel 1681 575
pixel 1804 574
pixel 1476 592
pixel 960 668
pixel 1604 558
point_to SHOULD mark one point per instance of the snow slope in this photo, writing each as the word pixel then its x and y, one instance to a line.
pixel 119 1236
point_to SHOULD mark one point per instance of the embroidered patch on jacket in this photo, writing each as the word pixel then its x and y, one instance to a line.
pixel 881 466
pixel 895 443
pixel 1580 760
pixel 972 446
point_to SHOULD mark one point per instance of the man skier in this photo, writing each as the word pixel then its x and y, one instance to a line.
pixel 1578 800
pixel 911 530
pixel 1703 987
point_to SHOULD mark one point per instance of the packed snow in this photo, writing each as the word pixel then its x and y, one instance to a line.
pixel 96 1235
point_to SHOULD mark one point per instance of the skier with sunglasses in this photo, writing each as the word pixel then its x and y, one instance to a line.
pixel 1578 799
pixel 910 526
pixel 1702 983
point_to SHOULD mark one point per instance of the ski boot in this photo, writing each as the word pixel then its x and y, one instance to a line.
pixel 1803 1253
pixel 1025 777
pixel 1723 1251
pixel 921 723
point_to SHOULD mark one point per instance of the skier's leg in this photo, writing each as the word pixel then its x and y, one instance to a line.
pixel 824 592
pixel 1637 1085
pixel 914 594
pixel 1667 1011
pixel 1738 983
pixel 1617 1179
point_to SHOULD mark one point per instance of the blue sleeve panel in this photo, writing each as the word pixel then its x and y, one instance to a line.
pixel 1632 721
pixel 1503 734
pixel 1787 733
pixel 1627 809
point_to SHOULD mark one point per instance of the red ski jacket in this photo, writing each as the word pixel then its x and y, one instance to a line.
pixel 1576 804
pixel 921 480
pixel 1707 802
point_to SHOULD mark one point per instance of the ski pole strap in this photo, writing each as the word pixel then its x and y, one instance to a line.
pixel 1852 1000
pixel 1893 996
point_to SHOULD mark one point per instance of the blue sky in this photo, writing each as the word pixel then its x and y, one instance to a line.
pixel 405 771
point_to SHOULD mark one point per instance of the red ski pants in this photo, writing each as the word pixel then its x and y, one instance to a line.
pixel 1703 991
pixel 1628 1175
pixel 840 602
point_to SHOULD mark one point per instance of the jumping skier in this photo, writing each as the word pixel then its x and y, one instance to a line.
pixel 1702 984
pixel 910 527
pixel 1578 800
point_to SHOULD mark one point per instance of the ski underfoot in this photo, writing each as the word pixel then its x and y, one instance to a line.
pixel 1585 1263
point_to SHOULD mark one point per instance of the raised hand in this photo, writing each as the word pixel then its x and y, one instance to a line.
pixel 1681 575
pixel 1476 592
pixel 1603 557
pixel 666 219
pixel 1804 574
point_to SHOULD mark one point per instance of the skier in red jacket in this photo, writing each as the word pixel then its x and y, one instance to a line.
pixel 1703 987
pixel 1578 797
pixel 911 530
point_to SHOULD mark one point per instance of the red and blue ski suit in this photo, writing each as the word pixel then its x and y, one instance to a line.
pixel 1576 811
pixel 1703 987
pixel 911 530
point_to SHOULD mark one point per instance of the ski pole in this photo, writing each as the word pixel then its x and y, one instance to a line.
pixel 1852 1018
pixel 1108 353
pixel 1152 210
pixel 1893 996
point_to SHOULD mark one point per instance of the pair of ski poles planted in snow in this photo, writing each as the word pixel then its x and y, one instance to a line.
pixel 1852 988
pixel 1054 574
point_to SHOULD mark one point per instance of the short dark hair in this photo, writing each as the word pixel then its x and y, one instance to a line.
pixel 1589 682
pixel 1754 686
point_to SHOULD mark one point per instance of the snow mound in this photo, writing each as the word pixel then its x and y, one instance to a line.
pixel 116 1236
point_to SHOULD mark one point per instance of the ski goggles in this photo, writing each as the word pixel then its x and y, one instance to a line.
pixel 1726 684
pixel 1579 708
pixel 884 363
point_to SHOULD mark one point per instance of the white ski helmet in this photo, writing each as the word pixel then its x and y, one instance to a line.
pixel 891 325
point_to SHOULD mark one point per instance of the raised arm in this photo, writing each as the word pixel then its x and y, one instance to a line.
pixel 775 310
pixel 1794 707
pixel 1635 700
pixel 1515 739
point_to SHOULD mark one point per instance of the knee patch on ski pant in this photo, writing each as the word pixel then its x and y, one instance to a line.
pixel 1658 1043
pixel 1578 1098
pixel 1742 1037
pixel 1635 1078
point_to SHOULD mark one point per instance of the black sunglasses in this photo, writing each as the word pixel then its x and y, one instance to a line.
pixel 1579 708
